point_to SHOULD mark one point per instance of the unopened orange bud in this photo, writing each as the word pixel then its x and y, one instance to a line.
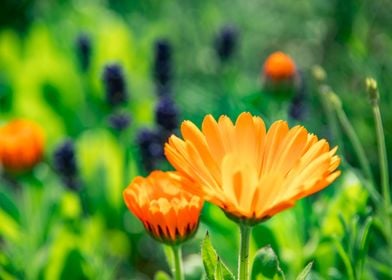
pixel 21 145
pixel 168 212
pixel 279 66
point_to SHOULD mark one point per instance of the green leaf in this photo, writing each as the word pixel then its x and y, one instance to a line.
pixel 7 203
pixel 73 266
pixel 208 255
pixel 305 272
pixel 350 199
pixel 363 243
pixel 268 236
pixel 161 275
pixel 266 263
pixel 222 272
pixel 213 266
pixel 218 270
pixel 169 255
pixel 5 275
pixel 9 228
pixel 345 258
pixel 104 170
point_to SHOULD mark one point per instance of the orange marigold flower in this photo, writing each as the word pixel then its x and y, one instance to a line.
pixel 168 213
pixel 249 172
pixel 279 66
pixel 21 145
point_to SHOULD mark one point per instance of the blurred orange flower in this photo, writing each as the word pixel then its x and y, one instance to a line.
pixel 167 211
pixel 279 66
pixel 21 145
pixel 249 172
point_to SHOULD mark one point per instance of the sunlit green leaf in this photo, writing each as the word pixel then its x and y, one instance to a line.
pixel 70 205
pixel 101 164
pixel 211 260
pixel 5 275
pixel 350 198
pixel 218 275
pixel 161 275
pixel 266 263
pixel 62 245
pixel 73 266
pixel 364 237
pixel 168 251
pixel 9 228
pixel 305 272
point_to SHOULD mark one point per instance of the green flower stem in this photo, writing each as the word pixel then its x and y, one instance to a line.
pixel 86 102
pixel 126 151
pixel 382 153
pixel 359 150
pixel 348 128
pixel 83 201
pixel 177 263
pixel 331 118
pixel 243 257
pixel 374 96
pixel 345 258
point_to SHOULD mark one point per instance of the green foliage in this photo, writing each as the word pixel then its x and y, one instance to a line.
pixel 161 275
pixel 213 265
pixel 9 227
pixel 50 232
pixel 305 273
pixel 350 199
pixel 266 263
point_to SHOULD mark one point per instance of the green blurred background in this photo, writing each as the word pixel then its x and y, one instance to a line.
pixel 46 231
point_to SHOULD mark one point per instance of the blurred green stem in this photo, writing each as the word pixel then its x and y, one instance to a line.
pixel 331 119
pixel 363 246
pixel 177 264
pixel 86 102
pixel 348 128
pixel 382 153
pixel 359 150
pixel 82 193
pixel 123 137
pixel 243 258
pixel 345 258
pixel 374 96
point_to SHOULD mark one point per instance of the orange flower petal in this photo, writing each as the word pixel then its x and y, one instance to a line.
pixel 214 139
pixel 21 145
pixel 249 172
pixel 279 66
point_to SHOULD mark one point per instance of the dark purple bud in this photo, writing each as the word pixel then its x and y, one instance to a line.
pixel 298 106
pixel 163 90
pixel 64 162
pixel 226 42
pixel 83 48
pixel 150 147
pixel 119 121
pixel 166 113
pixel 163 63
pixel 115 87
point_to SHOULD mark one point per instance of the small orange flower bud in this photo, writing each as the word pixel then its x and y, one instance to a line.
pixel 21 145
pixel 279 66
pixel 168 213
